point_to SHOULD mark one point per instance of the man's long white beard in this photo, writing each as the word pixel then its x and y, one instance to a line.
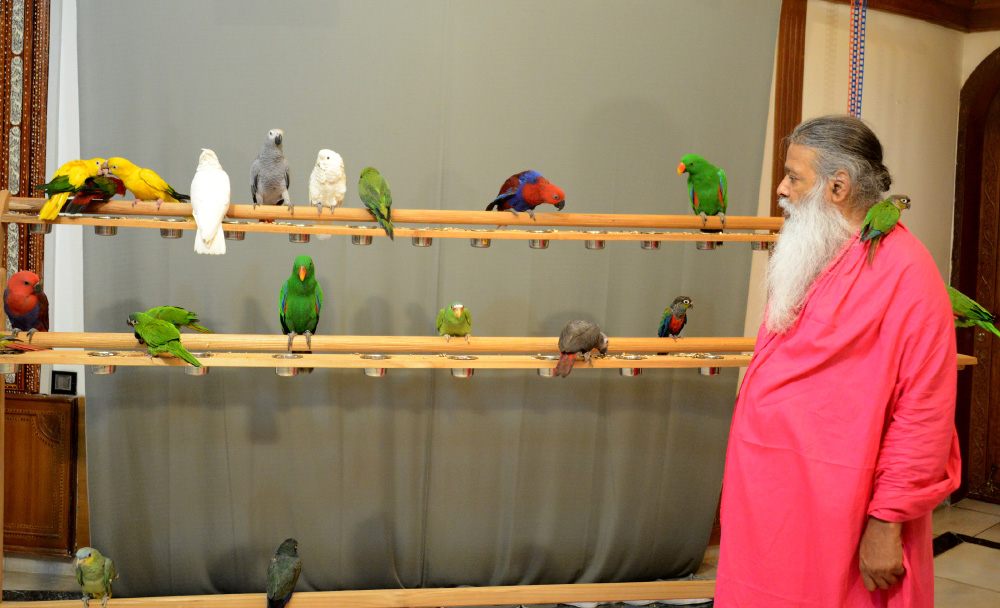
pixel 813 233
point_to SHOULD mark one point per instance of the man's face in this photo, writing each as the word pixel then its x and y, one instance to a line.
pixel 800 178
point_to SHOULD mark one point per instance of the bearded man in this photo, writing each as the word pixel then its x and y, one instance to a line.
pixel 843 438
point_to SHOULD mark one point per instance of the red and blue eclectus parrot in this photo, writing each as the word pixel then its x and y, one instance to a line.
pixel 526 190
pixel 708 188
pixel 674 318
pixel 25 303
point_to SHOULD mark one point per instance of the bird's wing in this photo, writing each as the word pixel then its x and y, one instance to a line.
pixel 109 572
pixel 254 176
pixel 79 574
pixel 151 179
pixel 439 321
pixel 318 304
pixel 43 312
pixel 723 190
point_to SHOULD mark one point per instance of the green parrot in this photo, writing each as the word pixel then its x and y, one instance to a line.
pixel 282 573
pixel 708 189
pixel 180 317
pixel 454 321
pixel 881 219
pixel 160 337
pixel 94 572
pixel 375 194
pixel 968 312
pixel 300 301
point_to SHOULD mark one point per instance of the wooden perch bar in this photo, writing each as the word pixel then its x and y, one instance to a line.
pixel 405 216
pixel 425 598
pixel 384 344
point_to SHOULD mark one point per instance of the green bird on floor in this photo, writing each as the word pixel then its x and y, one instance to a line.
pixel 375 194
pixel 708 188
pixel 454 321
pixel 282 573
pixel 160 337
pixel 94 572
pixel 968 312
pixel 180 317
pixel 881 218
pixel 300 301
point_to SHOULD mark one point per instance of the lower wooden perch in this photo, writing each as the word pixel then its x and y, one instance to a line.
pixel 427 598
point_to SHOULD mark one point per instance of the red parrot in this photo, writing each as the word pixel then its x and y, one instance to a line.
pixel 526 190
pixel 25 303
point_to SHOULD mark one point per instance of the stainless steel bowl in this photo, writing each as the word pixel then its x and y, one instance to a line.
pixel 171 233
pixel 198 371
pixel 285 371
pixel 106 230
pixel 360 239
pixel 650 245
pixel 547 372
pixel 375 372
pixel 708 370
pixel 421 241
pixel 296 237
pixel 595 243
pixel 761 245
pixel 630 371
pixel 232 233
pixel 102 370
pixel 704 245
pixel 462 372
pixel 539 243
pixel 43 228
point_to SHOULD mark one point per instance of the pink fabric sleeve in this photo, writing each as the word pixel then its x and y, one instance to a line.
pixel 918 462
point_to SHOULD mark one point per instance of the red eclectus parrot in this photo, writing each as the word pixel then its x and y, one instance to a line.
pixel 67 180
pixel 525 191
pixel 25 303
pixel 708 188
pixel 674 317
pixel 881 218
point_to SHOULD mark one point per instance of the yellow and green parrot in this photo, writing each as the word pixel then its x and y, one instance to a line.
pixel 144 183
pixel 94 572
pixel 160 337
pixel 708 188
pixel 968 312
pixel 882 217
pixel 180 317
pixel 67 180
pixel 454 321
pixel 375 194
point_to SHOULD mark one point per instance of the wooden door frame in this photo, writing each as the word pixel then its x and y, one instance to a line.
pixel 978 93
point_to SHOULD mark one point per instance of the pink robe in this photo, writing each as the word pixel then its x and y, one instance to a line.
pixel 848 414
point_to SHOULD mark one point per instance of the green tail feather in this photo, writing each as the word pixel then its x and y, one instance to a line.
pixel 989 326
pixel 176 349
pixel 201 329
pixel 387 226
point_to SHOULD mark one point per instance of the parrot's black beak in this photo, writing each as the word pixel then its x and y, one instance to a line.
pixel 38 287
pixel 561 204
pixel 277 139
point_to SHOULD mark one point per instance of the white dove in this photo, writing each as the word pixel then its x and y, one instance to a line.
pixel 328 181
pixel 209 203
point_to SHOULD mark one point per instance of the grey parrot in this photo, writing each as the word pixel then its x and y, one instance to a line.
pixel 579 337
pixel 269 173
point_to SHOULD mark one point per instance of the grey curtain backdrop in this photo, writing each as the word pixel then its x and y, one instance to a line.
pixel 420 479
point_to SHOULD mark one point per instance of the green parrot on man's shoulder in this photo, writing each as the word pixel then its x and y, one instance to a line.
pixel 94 573
pixel 881 218
pixel 968 312
pixel 160 337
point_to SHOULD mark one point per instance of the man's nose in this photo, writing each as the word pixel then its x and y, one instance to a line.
pixel 783 189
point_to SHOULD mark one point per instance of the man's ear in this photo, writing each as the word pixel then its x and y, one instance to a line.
pixel 840 187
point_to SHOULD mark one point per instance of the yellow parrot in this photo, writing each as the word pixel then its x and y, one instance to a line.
pixel 66 181
pixel 144 183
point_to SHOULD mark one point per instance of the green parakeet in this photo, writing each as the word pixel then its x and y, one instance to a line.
pixel 454 321
pixel 968 312
pixel 180 317
pixel 300 301
pixel 708 189
pixel 881 219
pixel 94 572
pixel 375 194
pixel 160 337
pixel 282 573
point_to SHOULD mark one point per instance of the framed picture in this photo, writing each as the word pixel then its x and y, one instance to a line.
pixel 63 383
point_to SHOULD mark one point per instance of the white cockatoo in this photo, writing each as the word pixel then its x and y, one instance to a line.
pixel 328 181
pixel 209 203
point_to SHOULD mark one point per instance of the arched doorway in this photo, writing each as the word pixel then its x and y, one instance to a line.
pixel 976 271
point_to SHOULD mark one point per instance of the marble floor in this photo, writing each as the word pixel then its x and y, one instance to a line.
pixel 967 575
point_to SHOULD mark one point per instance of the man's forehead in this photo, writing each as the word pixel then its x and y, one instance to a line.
pixel 799 158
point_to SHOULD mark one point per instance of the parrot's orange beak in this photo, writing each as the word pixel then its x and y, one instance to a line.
pixel 302 273
pixel 680 168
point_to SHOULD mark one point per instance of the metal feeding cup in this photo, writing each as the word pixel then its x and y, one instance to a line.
pixel 704 245
pixel 102 370
pixel 539 243
pixel 287 372
pixel 198 371
pixel 106 230
pixel 172 233
pixel 360 239
pixel 462 372
pixel 630 371
pixel 547 372
pixel 709 371
pixel 41 228
pixel 761 245
pixel 480 243
pixel 421 241
pixel 650 245
pixel 375 372
pixel 296 237
pixel 595 243
pixel 230 231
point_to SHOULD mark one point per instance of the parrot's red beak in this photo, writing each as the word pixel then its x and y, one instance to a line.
pixel 302 273
pixel 680 168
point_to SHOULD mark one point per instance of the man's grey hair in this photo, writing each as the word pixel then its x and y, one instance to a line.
pixel 846 143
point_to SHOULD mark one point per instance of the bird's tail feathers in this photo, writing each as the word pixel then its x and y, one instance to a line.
pixel 213 246
pixel 201 329
pixel 50 210
pixel 178 350
pixel 386 225
pixel 872 246
pixel 991 327
pixel 565 365
pixel 184 198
